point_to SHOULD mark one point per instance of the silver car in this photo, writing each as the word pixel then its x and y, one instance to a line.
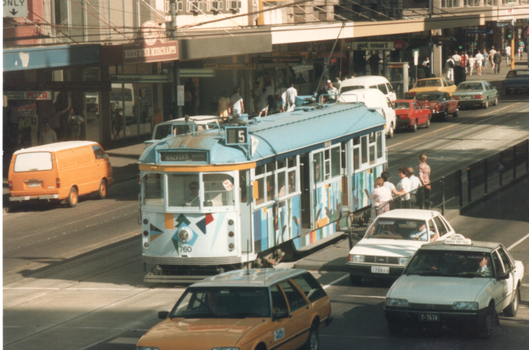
pixel 476 94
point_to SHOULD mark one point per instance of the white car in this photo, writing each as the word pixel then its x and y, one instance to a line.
pixel 392 239
pixel 455 283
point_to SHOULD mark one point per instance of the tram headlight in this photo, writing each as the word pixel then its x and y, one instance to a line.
pixel 231 246
pixel 185 234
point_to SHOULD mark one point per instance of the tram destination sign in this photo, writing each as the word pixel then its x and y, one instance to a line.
pixel 187 156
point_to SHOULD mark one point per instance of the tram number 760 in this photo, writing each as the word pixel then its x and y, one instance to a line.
pixel 185 249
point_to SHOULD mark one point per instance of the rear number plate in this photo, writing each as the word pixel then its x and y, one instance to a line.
pixel 380 269
pixel 33 184
pixel 429 317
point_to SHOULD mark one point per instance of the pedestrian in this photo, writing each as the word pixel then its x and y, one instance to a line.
pixel 521 47
pixel 403 188
pixel 464 61
pixel 263 105
pixel 380 197
pixel 374 61
pixel 292 93
pixel 492 52
pixel 385 175
pixel 75 121
pixel 278 97
pixel 415 183
pixel 47 135
pixel 223 108
pixel 331 91
pixel 450 68
pixel 471 64
pixel 283 107
pixel 426 67
pixel 485 59
pixel 508 54
pixel 479 62
pixel 457 59
pixel 158 117
pixel 497 62
pixel 117 120
pixel 237 104
pixel 424 176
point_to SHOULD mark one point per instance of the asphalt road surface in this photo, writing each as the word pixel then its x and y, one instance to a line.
pixel 73 277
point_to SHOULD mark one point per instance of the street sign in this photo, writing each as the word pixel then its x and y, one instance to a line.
pixel 15 8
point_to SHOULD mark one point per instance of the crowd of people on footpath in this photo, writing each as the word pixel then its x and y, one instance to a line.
pixel 409 193
pixel 70 127
pixel 481 60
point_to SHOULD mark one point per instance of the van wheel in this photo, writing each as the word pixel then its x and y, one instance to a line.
pixel 73 198
pixel 102 192
pixel 391 132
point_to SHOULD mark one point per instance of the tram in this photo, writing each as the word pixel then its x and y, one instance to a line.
pixel 251 191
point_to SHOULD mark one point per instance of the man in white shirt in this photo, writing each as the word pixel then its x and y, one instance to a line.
pixel 403 188
pixel 479 62
pixel 457 59
pixel 292 93
pixel 508 54
pixel 422 233
pixel 415 183
pixel 237 104
pixel 387 184
pixel 492 52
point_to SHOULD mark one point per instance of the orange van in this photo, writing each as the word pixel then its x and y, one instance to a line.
pixel 61 170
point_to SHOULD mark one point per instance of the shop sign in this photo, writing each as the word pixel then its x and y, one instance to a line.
pixel 230 66
pixel 28 95
pixel 141 78
pixel 78 85
pixel 373 45
pixel 478 31
pixel 145 53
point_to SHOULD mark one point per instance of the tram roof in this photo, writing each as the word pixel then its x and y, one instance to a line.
pixel 279 135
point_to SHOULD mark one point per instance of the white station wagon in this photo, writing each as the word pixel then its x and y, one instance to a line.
pixel 392 239
pixel 456 283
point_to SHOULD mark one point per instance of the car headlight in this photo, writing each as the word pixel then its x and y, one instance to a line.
pixel 465 305
pixel 403 261
pixel 358 258
pixel 396 302
pixel 146 348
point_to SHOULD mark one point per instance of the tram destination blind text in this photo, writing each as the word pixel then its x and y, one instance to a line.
pixel 183 156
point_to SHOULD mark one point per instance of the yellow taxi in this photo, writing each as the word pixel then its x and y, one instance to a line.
pixel 432 84
pixel 255 309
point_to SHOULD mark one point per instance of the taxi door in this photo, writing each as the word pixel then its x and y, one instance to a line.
pixel 500 288
pixel 286 332
pixel 510 282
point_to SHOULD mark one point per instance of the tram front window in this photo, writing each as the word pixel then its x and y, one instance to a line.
pixel 184 190
pixel 218 190
pixel 152 186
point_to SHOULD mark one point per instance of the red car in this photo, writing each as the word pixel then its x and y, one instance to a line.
pixel 440 103
pixel 410 114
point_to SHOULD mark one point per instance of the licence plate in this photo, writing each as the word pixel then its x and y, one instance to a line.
pixel 429 317
pixel 33 184
pixel 380 269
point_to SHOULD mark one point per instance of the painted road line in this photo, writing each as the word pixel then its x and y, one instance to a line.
pixel 520 241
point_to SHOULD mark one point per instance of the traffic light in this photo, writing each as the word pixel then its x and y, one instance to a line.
pixel 508 33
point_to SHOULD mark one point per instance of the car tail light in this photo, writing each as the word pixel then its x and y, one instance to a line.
pixel 478 96
pixel 456 97
pixel 412 93
pixel 349 257
pixel 58 183
pixel 10 185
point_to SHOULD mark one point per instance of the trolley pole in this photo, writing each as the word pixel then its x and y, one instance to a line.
pixel 176 70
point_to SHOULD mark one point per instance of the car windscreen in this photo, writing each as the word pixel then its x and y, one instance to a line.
pixel 428 97
pixel 223 302
pixel 452 263
pixel 406 229
pixel 36 161
pixel 470 87
pixel 402 105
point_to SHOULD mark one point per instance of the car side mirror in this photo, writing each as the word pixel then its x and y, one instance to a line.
pixel 281 314
pixel 163 314
pixel 503 276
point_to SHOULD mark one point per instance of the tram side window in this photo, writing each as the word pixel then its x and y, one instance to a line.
pixel 153 189
pixel 356 153
pixel 327 164
pixel 184 190
pixel 380 149
pixel 372 140
pixel 318 168
pixel 218 190
pixel 364 149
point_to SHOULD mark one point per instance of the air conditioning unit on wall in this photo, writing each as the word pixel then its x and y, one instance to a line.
pixel 234 5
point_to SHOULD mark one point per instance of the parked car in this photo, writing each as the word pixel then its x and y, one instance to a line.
pixel 60 170
pixel 392 239
pixel 475 93
pixel 432 84
pixel 457 283
pixel 245 310
pixel 517 80
pixel 369 82
pixel 410 114
pixel 440 104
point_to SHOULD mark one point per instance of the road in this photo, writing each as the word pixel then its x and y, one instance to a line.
pixel 73 276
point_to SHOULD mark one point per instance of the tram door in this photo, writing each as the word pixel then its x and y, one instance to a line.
pixel 245 211
pixel 305 191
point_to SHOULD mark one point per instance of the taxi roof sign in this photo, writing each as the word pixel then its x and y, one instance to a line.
pixel 458 239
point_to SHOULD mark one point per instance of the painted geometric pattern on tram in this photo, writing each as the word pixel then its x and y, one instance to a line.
pixel 277 223
pixel 362 181
pixel 210 225
pixel 316 235
pixel 328 204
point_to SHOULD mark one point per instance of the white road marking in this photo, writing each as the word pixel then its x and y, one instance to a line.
pixel 123 340
pixel 520 241
pixel 335 281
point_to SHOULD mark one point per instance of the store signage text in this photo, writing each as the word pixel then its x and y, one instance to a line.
pixel 157 52
pixel 28 95
pixel 373 45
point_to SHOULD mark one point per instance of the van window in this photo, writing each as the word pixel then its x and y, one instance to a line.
pixel 98 152
pixel 37 161
pixel 383 88
pixel 351 88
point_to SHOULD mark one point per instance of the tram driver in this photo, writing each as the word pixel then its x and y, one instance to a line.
pixel 192 197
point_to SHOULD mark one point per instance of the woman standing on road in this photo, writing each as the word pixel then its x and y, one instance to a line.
pixel 424 176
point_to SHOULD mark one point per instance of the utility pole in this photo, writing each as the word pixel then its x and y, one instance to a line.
pixel 176 70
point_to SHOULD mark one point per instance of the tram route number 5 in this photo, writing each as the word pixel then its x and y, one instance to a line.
pixel 236 136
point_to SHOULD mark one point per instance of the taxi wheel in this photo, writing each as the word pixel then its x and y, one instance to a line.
pixel 313 342
pixel 488 320
pixel 73 198
pixel 512 309
pixel 102 192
